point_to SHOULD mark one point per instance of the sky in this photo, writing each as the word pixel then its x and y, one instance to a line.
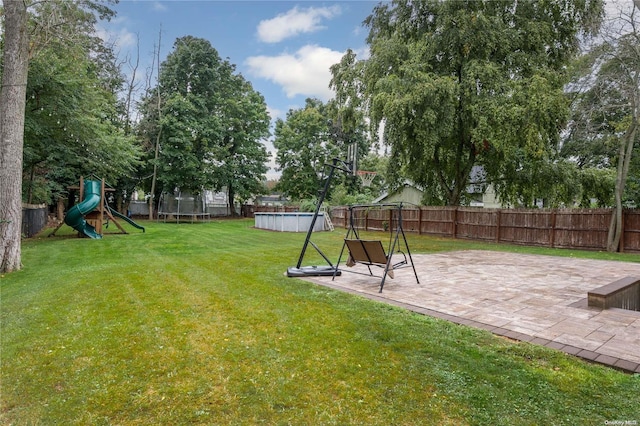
pixel 284 48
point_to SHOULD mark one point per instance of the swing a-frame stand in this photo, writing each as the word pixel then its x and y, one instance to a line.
pixel 372 252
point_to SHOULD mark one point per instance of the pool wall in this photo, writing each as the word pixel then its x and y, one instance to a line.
pixel 289 221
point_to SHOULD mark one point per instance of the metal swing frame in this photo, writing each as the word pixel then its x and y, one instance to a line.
pixel 371 252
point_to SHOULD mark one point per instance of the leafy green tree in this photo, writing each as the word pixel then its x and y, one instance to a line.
pixel 306 140
pixel 192 84
pixel 556 183
pixel 597 187
pixel 72 127
pixel 606 111
pixel 303 147
pixel 621 70
pixel 29 28
pixel 242 159
pixel 211 124
pixel 464 83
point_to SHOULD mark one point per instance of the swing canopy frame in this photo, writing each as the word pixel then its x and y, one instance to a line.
pixel 372 252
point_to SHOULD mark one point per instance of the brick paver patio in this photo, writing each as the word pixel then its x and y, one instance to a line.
pixel 537 299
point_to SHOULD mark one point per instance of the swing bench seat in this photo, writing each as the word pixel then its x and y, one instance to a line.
pixel 370 253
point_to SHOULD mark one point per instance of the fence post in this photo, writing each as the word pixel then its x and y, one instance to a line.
pixel 552 237
pixel 498 220
pixel 419 220
pixel 366 219
pixel 455 222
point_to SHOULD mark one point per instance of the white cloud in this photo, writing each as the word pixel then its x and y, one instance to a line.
pixel 295 21
pixel 122 39
pixel 159 7
pixel 304 73
pixel 275 113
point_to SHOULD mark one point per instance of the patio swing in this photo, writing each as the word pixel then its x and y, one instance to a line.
pixel 371 252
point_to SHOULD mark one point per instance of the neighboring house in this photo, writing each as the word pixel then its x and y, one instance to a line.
pixel 480 194
pixel 490 200
pixel 270 200
pixel 216 198
pixel 407 193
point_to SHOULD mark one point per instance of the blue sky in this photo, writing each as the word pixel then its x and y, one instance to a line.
pixel 284 48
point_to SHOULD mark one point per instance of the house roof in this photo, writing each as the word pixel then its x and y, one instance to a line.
pixel 406 184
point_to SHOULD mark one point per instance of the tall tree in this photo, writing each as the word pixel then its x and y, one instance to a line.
pixel 15 66
pixel 622 69
pixel 303 147
pixel 617 82
pixel 464 83
pixel 211 124
pixel 242 157
pixel 190 85
pixel 156 146
pixel 29 28
pixel 73 126
pixel 604 131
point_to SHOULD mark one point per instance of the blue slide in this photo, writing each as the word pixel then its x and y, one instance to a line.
pixel 91 199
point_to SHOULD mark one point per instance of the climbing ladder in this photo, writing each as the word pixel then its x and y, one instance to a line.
pixel 327 219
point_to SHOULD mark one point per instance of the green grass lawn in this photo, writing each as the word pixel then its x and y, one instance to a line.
pixel 197 324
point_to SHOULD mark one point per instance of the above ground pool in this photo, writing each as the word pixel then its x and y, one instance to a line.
pixel 289 221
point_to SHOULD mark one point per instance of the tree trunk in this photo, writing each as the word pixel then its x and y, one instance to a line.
pixel 624 159
pixel 231 199
pixel 12 105
pixel 155 173
pixel 157 147
pixel 60 209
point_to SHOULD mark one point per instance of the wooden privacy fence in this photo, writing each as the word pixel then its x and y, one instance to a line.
pixel 561 228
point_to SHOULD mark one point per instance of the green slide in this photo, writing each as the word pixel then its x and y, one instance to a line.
pixel 91 200
pixel 123 217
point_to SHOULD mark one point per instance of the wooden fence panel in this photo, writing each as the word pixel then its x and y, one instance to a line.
pixel 34 218
pixel 340 217
pixel 476 224
pixel 583 229
pixel 376 219
pixel 411 219
pixel 438 221
pixel 526 227
pixel 631 234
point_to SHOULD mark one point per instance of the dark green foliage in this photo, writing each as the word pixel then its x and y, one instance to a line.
pixel 241 162
pixel 464 83
pixel 211 123
pixel 192 81
pixel 310 138
pixel 304 147
pixel 72 116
